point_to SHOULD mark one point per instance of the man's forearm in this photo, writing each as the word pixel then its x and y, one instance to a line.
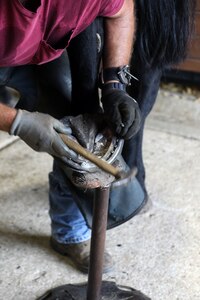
pixel 119 36
pixel 7 116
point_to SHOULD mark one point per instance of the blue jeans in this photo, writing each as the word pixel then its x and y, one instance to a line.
pixel 67 223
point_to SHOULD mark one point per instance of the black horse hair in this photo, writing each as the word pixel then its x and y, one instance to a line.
pixel 163 30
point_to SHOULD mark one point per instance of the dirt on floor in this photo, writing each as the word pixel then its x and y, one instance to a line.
pixel 191 92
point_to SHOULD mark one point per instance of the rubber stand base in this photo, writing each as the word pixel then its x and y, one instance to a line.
pixel 109 291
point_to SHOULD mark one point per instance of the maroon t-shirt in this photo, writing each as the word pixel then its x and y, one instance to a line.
pixel 36 37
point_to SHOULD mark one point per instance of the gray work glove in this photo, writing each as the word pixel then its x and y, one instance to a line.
pixel 122 111
pixel 41 132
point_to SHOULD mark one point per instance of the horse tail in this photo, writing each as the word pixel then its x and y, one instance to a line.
pixel 163 30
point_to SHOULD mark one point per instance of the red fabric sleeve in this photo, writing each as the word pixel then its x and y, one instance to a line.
pixel 110 7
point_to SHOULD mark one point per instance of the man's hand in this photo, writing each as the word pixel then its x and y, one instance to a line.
pixel 41 132
pixel 123 112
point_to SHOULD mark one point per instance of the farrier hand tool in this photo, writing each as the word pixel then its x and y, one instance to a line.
pixel 102 164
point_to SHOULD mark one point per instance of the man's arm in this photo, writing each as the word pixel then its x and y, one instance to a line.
pixel 7 116
pixel 123 111
pixel 39 131
pixel 119 36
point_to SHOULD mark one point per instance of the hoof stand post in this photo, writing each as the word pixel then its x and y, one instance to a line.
pixel 96 289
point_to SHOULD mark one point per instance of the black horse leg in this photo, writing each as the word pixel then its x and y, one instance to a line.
pixel 145 92
pixel 85 53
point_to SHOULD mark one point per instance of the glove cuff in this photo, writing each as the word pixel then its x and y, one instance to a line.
pixel 16 122
pixel 121 74
pixel 113 85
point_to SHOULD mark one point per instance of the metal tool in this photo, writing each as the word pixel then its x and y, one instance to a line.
pixel 102 164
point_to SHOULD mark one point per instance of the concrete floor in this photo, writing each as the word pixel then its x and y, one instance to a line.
pixel 157 252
